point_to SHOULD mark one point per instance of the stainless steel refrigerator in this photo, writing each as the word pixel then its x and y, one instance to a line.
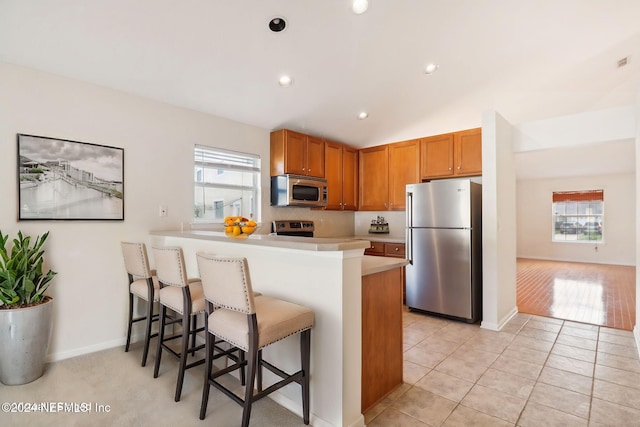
pixel 444 248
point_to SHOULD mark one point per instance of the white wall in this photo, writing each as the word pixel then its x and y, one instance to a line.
pixel 498 222
pixel 534 218
pixel 158 140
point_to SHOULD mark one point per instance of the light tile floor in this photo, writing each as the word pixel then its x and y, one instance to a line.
pixel 538 371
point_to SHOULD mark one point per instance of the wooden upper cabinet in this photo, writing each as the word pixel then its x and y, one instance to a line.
pixel 373 166
pixel 349 178
pixel 333 174
pixel 436 156
pixel 468 151
pixel 342 176
pixel 404 168
pixel 296 153
pixel 451 154
pixel 315 157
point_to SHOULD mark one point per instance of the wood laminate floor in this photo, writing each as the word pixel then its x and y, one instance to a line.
pixel 598 294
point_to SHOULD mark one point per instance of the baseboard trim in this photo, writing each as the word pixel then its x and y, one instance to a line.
pixel 492 326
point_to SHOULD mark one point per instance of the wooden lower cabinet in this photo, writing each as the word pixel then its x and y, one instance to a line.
pixel 381 335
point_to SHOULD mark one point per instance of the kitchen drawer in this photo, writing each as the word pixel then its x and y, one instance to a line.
pixel 376 248
pixel 394 250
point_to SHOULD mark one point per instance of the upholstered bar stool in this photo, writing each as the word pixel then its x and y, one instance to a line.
pixel 249 324
pixel 185 297
pixel 143 284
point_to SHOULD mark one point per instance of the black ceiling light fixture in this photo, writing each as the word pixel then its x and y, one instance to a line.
pixel 277 24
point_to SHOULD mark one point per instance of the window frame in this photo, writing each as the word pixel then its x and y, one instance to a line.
pixel 579 198
pixel 220 159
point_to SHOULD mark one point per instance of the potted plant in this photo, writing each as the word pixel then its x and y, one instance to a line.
pixel 25 312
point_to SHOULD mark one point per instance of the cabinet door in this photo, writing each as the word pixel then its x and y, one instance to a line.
pixel 375 248
pixel 295 153
pixel 468 151
pixel 436 156
pixel 333 174
pixel 374 178
pixel 404 168
pixel 315 157
pixel 349 178
pixel 395 250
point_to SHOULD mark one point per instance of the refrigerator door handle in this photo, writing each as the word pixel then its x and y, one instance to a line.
pixel 409 222
pixel 409 239
pixel 409 209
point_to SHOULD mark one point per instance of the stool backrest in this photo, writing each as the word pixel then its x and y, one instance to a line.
pixel 136 261
pixel 226 282
pixel 170 266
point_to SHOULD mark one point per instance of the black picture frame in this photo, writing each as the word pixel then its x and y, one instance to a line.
pixel 59 179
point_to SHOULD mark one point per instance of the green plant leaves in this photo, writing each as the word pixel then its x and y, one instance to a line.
pixel 22 281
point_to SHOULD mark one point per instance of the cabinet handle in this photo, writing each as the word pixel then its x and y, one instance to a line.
pixel 397 249
pixel 304 169
pixel 449 168
pixel 459 167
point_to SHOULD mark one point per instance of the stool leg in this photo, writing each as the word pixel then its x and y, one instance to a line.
pixel 209 342
pixel 251 368
pixel 305 355
pixel 147 336
pixel 186 331
pixel 126 347
pixel 163 314
pixel 259 372
pixel 243 377
pixel 248 393
pixel 193 334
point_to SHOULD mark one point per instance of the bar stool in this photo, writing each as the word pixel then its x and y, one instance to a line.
pixel 143 284
pixel 185 297
pixel 249 324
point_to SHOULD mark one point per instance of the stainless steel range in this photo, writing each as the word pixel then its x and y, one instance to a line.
pixel 293 228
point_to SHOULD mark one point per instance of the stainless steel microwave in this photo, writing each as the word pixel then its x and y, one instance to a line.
pixel 296 190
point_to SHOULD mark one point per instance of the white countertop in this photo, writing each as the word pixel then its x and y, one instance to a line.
pixel 300 243
pixel 378 264
pixel 370 264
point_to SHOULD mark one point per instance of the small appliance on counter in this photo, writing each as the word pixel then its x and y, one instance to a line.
pixel 379 226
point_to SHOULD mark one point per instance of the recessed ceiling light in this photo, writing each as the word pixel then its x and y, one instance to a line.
pixel 360 6
pixel 285 81
pixel 430 68
pixel 277 24
pixel 363 115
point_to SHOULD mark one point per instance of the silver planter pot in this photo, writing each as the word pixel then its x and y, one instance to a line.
pixel 24 342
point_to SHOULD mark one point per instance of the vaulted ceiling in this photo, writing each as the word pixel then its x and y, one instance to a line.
pixel 526 59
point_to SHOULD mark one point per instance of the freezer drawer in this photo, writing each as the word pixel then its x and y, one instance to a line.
pixel 439 278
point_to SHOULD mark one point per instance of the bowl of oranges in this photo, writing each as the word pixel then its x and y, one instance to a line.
pixel 239 227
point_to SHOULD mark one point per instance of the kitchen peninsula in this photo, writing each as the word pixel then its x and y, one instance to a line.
pixel 325 274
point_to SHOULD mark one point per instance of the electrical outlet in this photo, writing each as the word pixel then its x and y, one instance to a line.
pixel 163 211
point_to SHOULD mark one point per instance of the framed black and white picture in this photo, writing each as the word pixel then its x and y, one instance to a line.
pixel 69 180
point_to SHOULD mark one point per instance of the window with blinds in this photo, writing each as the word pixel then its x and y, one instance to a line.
pixel 225 183
pixel 578 216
